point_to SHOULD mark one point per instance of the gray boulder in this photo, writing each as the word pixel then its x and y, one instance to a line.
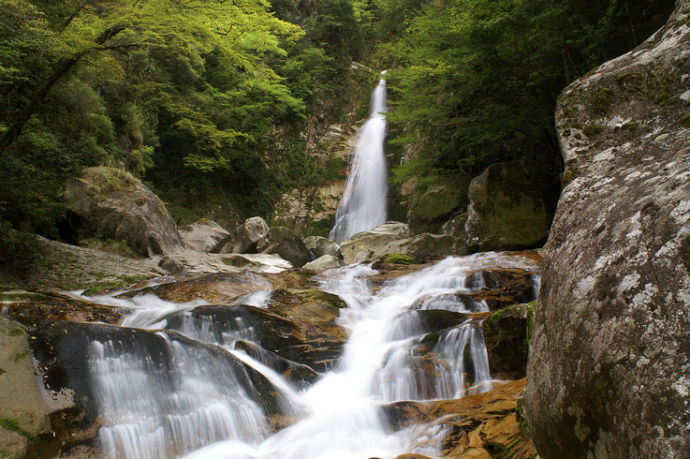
pixel 507 211
pixel 322 263
pixel 248 234
pixel 205 236
pixel 321 246
pixel 608 372
pixel 110 203
pixel 286 243
pixel 367 245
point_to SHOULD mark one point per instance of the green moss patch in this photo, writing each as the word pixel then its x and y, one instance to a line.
pixel 602 100
pixel 13 425
pixel 685 121
pixel 396 258
pixel 103 287
pixel 592 130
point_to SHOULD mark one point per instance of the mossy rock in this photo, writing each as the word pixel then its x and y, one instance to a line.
pixel 399 259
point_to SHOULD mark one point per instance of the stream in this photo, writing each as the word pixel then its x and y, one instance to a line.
pixel 197 404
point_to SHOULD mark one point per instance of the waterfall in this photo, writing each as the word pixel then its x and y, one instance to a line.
pixel 181 387
pixel 364 203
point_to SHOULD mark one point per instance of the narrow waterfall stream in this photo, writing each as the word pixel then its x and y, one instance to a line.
pixel 190 386
pixel 364 203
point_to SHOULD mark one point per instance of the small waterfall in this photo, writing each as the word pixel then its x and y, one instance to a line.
pixel 188 390
pixel 364 203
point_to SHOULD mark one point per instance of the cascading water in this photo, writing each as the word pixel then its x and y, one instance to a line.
pixel 364 203
pixel 187 388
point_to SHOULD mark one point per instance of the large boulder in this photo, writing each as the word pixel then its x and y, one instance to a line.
pixel 322 263
pixel 321 246
pixel 608 373
pixel 507 210
pixel 111 203
pixel 248 234
pixel 205 236
pixel 365 246
pixel 286 243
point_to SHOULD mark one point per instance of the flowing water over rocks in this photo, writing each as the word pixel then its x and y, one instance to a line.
pixel 290 366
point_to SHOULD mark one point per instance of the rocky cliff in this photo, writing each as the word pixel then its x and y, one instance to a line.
pixel 608 372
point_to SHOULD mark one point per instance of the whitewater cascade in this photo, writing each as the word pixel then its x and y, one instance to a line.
pixel 179 385
pixel 364 203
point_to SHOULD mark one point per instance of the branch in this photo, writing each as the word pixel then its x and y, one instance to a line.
pixel 74 14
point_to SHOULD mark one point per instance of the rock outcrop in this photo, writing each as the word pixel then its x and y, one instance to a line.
pixel 507 210
pixel 369 242
pixel 248 234
pixel 286 243
pixel 609 365
pixel 205 236
pixel 110 203
pixel 320 246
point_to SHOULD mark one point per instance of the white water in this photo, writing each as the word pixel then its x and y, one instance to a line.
pixel 364 203
pixel 195 399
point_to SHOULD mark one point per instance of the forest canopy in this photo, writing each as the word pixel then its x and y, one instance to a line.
pixel 211 99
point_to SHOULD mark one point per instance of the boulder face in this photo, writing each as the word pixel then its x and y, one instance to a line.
pixel 609 364
pixel 248 234
pixel 110 203
pixel 507 210
pixel 321 246
pixel 205 236
pixel 286 243
pixel 370 241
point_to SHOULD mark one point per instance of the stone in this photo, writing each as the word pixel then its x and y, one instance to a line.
pixel 455 226
pixel 320 246
pixel 249 233
pixel 609 364
pixel 110 203
pixel 322 263
pixel 286 243
pixel 507 210
pixel 205 236
pixel 366 246
pixel 191 261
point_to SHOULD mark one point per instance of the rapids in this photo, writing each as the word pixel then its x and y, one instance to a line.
pixel 201 405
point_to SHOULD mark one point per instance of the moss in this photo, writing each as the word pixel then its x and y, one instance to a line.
pixel 630 80
pixel 685 121
pixel 663 99
pixel 570 174
pixel 103 287
pixel 396 258
pixel 16 331
pixel 115 246
pixel 106 180
pixel 602 100
pixel 685 253
pixel 237 262
pixel 2 371
pixel 592 130
pixel 630 127
pixel 21 356
pixel 13 425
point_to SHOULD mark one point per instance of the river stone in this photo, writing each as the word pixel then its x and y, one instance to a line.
pixel 455 226
pixel 205 236
pixel 248 234
pixel 321 246
pixel 322 263
pixel 365 246
pixel 608 373
pixel 507 211
pixel 110 203
pixel 191 261
pixel 286 243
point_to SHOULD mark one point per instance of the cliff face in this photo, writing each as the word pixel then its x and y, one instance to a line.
pixel 608 375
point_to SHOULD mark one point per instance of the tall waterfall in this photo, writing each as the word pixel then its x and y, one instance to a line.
pixel 181 389
pixel 364 202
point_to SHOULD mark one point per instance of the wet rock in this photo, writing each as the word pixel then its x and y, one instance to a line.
pixel 218 288
pixel 312 344
pixel 506 335
pixel 110 203
pixel 609 365
pixel 426 246
pixel 479 425
pixel 320 246
pixel 300 375
pixel 507 211
pixel 248 234
pixel 286 243
pixel 205 236
pixel 322 263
